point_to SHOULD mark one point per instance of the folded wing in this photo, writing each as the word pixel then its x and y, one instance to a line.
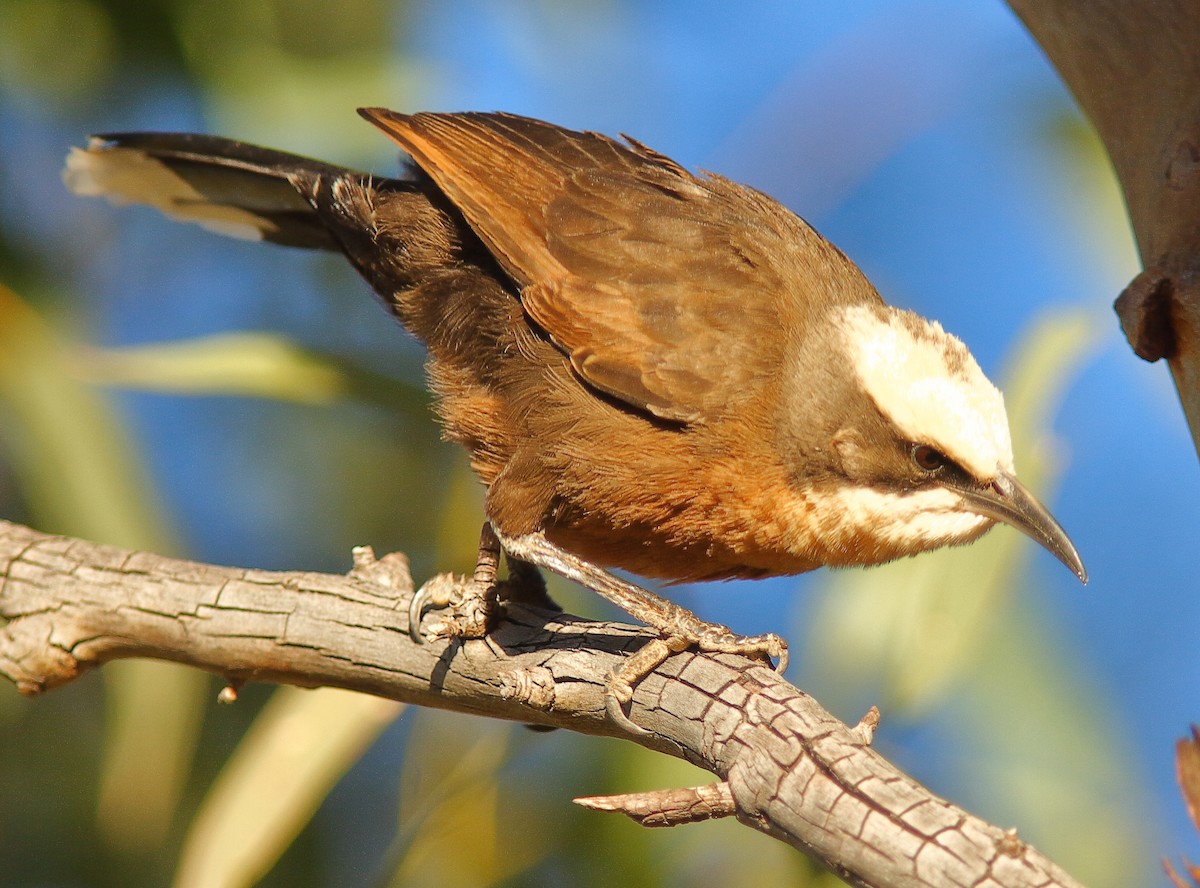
pixel 657 283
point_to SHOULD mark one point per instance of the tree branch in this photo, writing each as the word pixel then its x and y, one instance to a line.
pixel 788 767
pixel 1134 68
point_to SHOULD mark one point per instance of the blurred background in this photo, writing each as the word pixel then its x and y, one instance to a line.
pixel 167 389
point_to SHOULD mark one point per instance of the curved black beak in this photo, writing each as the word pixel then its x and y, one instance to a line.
pixel 1007 500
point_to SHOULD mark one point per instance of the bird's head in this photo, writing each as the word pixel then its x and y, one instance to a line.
pixel 922 456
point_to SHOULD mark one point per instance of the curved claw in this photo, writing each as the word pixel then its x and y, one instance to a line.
pixel 416 610
pixel 718 639
pixel 616 713
pixel 434 593
pixel 617 693
pixel 782 657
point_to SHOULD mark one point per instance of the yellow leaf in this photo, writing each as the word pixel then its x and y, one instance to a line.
pixel 299 746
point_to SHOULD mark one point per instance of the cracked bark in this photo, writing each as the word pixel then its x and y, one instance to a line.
pixel 788 767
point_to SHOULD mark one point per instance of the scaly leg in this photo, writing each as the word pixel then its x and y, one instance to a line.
pixel 471 607
pixel 678 626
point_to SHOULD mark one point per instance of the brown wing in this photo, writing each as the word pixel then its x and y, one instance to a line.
pixel 660 286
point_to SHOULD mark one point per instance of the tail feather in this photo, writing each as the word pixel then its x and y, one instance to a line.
pixel 229 187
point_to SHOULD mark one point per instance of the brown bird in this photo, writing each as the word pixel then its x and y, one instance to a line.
pixel 651 370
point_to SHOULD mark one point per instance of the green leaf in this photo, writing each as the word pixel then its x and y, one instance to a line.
pixel 247 364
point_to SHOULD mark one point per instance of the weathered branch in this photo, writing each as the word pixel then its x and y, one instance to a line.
pixel 1134 68
pixel 788 767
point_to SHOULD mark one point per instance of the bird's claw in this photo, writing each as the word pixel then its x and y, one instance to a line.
pixel 711 638
pixel 469 607
pixel 434 593
pixel 618 694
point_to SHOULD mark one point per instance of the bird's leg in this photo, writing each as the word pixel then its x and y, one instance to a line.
pixel 526 585
pixel 471 607
pixel 679 628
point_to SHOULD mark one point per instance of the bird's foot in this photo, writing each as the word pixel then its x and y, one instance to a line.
pixel 678 627
pixel 467 608
pixel 718 639
pixel 710 638
pixel 687 630
pixel 469 605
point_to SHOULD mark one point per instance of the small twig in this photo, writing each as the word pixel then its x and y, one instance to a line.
pixel 867 725
pixel 668 807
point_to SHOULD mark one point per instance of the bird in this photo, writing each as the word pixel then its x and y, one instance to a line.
pixel 652 370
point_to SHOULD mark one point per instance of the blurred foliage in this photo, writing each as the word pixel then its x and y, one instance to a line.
pixel 1084 168
pixel 77 466
pixel 258 365
pixel 131 778
pixel 300 745
pixel 459 825
pixel 78 476
pixel 246 364
pixel 33 34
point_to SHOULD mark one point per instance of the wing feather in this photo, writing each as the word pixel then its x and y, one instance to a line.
pixel 665 289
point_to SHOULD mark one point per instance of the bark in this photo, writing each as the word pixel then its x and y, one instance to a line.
pixel 1134 68
pixel 785 765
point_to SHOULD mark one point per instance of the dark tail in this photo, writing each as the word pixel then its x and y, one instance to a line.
pixel 226 186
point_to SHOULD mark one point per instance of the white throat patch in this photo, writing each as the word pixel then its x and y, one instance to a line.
pixel 926 382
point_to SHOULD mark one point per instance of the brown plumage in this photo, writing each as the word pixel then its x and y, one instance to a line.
pixel 653 370
pixel 616 382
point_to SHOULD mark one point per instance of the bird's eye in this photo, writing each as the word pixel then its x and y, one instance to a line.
pixel 927 459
